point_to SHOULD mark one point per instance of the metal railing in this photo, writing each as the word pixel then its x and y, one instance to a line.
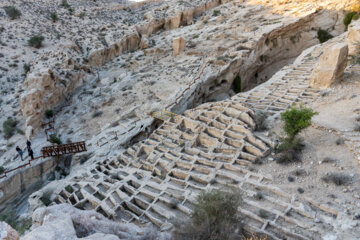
pixel 4 174
pixel 59 150
pixel 52 151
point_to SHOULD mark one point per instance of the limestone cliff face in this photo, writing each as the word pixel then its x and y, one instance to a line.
pixel 132 38
pixel 253 63
pixel 285 43
pixel 46 88
pixel 49 84
pixel 52 79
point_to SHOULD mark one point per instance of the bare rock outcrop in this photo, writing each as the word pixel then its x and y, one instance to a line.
pixel 353 37
pixel 7 232
pixel 66 222
pixel 331 66
pixel 45 89
pixel 178 45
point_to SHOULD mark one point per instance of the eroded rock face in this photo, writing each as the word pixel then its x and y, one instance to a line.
pixel 353 37
pixel 331 66
pixel 7 232
pixel 45 90
pixel 178 45
pixel 66 222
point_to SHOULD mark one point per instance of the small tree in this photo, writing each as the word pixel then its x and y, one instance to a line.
pixel 12 12
pixel 295 120
pixel 215 216
pixel 36 41
pixel 2 170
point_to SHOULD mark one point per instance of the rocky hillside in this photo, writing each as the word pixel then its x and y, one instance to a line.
pixel 168 97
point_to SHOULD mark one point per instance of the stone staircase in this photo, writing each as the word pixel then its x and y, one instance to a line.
pixel 286 88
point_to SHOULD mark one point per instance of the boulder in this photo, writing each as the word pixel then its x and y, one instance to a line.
pixel 353 37
pixel 330 67
pixel 144 43
pixel 178 45
pixel 7 232
pixel 63 221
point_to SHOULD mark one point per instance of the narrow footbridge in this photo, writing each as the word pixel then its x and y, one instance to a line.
pixel 163 115
pixel 59 150
pixel 51 151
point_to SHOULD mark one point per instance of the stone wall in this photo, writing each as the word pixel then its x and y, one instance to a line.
pixel 23 179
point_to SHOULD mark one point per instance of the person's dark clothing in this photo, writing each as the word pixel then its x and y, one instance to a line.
pixel 20 153
pixel 31 153
pixel 28 144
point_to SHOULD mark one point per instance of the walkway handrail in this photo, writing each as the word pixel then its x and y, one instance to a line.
pixel 50 151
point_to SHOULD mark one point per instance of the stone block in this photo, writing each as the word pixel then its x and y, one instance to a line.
pixel 330 67
pixel 178 45
pixel 353 37
pixel 7 232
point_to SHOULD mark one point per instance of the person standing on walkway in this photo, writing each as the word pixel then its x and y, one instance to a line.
pixel 31 153
pixel 20 152
pixel 28 144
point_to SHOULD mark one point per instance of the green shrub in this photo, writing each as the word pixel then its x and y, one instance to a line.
pixel 49 113
pixel 51 176
pixel 215 216
pixel 296 120
pixel 54 16
pixel 26 68
pixel 349 17
pixel 289 150
pixel 55 139
pixel 237 84
pixel 11 218
pixel 65 4
pixel 12 12
pixel 19 131
pixel 45 198
pixel 2 170
pixel 324 35
pixel 36 41
pixel 69 189
pixel 216 13
pixel 9 127
pixel 24 225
